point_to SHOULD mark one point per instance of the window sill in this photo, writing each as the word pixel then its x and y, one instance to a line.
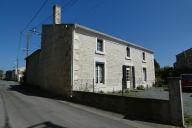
pixel 144 82
pixel 144 61
pixel 128 58
pixel 99 52
pixel 100 84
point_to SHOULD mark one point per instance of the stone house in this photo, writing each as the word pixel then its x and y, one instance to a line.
pixel 74 57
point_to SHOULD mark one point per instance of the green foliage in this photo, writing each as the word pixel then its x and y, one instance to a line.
pixel 101 92
pixel 159 83
pixel 126 91
pixel 157 65
pixel 167 71
pixel 140 87
pixel 1 74
pixel 119 91
pixel 163 74
pixel 188 120
pixel 178 72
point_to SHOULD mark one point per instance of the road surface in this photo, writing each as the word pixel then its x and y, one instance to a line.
pixel 25 108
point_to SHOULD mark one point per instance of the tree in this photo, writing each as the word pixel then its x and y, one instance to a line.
pixel 166 72
pixel 1 74
pixel 157 68
pixel 157 65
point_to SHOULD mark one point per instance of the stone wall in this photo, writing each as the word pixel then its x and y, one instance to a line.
pixel 114 58
pixel 32 68
pixel 133 108
pixel 153 110
pixel 53 70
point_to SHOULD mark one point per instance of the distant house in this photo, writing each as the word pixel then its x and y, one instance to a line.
pixel 184 59
pixel 74 57
pixel 15 75
pixel 10 75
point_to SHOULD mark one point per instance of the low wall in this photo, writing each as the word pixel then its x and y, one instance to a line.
pixel 154 110
pixel 133 108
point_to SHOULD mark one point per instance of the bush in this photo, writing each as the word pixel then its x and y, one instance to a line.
pixel 126 90
pixel 119 91
pixel 188 120
pixel 101 92
pixel 140 87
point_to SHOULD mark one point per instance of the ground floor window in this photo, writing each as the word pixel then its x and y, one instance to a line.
pixel 144 74
pixel 100 72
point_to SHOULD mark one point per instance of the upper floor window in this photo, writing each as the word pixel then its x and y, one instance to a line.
pixel 100 45
pixel 128 52
pixel 143 55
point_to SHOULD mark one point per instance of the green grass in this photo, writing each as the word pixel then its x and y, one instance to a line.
pixel 188 120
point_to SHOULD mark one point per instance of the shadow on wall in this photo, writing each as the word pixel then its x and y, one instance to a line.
pixel 46 125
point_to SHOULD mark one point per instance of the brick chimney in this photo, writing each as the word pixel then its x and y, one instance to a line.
pixel 56 14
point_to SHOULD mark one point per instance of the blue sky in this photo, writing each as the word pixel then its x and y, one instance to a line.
pixel 165 26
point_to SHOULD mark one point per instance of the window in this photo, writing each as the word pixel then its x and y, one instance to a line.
pixel 100 72
pixel 144 74
pixel 143 54
pixel 128 52
pixel 100 46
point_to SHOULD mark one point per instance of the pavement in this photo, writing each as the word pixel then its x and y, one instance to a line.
pixel 21 107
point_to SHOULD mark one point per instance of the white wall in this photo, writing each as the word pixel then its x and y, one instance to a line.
pixel 114 58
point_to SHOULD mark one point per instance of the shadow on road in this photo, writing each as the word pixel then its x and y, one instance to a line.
pixel 34 91
pixel 46 125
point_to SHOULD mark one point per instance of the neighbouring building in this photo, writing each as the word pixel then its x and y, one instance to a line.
pixel 74 57
pixel 20 73
pixel 10 75
pixel 184 59
pixel 15 75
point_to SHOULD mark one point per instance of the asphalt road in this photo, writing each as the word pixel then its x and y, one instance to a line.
pixel 23 108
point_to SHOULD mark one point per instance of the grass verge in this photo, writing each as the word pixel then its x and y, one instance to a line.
pixel 188 120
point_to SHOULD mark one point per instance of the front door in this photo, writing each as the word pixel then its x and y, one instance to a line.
pixel 127 76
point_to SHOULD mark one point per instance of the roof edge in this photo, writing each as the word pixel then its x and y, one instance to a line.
pixel 34 53
pixel 112 37
pixel 104 34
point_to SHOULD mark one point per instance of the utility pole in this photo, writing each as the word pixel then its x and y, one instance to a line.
pixel 17 65
pixel 27 43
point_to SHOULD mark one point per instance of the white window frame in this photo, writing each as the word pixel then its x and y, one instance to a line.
pixel 100 73
pixel 100 52
pixel 100 60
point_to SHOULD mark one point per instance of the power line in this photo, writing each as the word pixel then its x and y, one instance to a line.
pixel 68 4
pixel 36 14
pixel 27 25
pixel 19 44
